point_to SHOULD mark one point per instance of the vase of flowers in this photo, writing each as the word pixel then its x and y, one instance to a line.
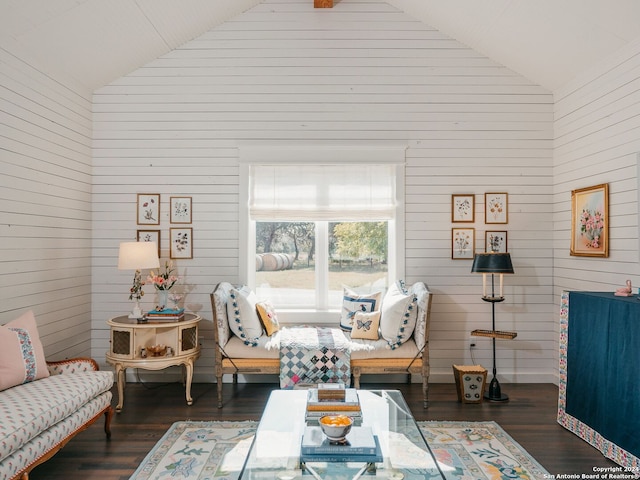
pixel 163 281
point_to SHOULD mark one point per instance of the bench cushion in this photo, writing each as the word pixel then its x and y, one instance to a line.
pixel 30 409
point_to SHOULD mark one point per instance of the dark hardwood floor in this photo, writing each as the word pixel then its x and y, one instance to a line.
pixel 149 409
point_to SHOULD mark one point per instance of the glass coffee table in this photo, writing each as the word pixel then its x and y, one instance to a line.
pixel 275 451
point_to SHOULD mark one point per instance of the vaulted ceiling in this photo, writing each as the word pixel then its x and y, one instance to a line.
pixel 551 42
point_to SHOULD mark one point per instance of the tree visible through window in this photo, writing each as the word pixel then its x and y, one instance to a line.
pixel 290 265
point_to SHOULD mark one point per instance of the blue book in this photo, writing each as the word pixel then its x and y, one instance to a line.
pixel 166 311
pixel 361 446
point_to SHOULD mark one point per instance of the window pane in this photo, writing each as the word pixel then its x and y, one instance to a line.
pixel 285 263
pixel 358 253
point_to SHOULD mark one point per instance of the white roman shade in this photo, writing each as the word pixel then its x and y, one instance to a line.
pixel 337 192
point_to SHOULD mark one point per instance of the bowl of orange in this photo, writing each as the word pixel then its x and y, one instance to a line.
pixel 336 427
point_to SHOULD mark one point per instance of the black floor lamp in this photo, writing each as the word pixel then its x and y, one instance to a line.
pixel 493 263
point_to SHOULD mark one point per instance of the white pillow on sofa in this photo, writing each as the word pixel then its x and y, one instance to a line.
pixel 353 302
pixel 399 314
pixel 243 318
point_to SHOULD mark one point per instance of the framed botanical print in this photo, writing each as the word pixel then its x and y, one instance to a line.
pixel 462 208
pixel 495 241
pixel 180 209
pixel 150 236
pixel 463 241
pixel 148 209
pixel 181 240
pixel 496 208
pixel 590 221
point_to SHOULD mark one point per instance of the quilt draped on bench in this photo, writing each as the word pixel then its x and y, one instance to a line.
pixel 314 355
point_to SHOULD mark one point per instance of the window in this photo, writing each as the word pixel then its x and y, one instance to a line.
pixel 294 258
pixel 313 228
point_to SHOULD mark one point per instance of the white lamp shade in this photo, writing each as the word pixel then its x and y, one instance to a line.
pixel 138 255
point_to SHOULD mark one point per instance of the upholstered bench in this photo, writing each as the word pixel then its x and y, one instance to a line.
pixel 252 352
pixel 51 403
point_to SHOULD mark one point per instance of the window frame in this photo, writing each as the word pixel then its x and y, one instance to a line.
pixel 253 154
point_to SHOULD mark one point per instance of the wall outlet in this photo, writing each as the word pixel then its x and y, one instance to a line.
pixel 472 341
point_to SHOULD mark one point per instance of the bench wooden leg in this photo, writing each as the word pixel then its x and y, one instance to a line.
pixel 425 392
pixel 355 373
pixel 219 387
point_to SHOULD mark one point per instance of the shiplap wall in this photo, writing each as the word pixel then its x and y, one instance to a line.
pixel 359 72
pixel 45 213
pixel 597 130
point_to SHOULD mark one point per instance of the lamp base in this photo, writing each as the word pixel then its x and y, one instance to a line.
pixel 136 312
pixel 494 394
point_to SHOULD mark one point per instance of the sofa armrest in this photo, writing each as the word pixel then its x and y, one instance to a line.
pixel 73 365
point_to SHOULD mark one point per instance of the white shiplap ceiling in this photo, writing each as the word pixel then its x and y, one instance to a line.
pixel 551 42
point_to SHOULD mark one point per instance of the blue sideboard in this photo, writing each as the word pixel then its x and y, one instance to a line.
pixel 599 370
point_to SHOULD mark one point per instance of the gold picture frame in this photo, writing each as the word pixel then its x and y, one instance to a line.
pixel 180 210
pixel 181 243
pixel 463 208
pixel 590 221
pixel 148 206
pixel 496 207
pixel 463 243
pixel 495 241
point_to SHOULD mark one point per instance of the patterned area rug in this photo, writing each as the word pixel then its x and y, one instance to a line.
pixel 216 450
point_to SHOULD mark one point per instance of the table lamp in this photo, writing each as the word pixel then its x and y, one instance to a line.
pixel 136 256
pixel 493 263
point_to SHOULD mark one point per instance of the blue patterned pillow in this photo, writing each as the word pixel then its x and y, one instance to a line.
pixel 352 302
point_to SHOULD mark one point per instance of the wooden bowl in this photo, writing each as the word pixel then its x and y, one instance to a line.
pixel 157 350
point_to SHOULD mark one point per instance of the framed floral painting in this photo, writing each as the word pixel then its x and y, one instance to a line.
pixel 181 240
pixel 150 236
pixel 463 241
pixel 148 209
pixel 462 208
pixel 495 241
pixel 496 208
pixel 590 221
pixel 180 209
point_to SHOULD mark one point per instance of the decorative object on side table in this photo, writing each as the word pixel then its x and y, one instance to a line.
pixel 493 263
pixel 137 256
pixel 163 282
pixel 625 291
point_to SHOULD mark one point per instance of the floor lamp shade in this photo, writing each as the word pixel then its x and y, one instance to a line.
pixel 493 263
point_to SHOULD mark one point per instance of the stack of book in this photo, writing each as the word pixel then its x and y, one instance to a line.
pixel 361 445
pixel 165 315
pixel 318 406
